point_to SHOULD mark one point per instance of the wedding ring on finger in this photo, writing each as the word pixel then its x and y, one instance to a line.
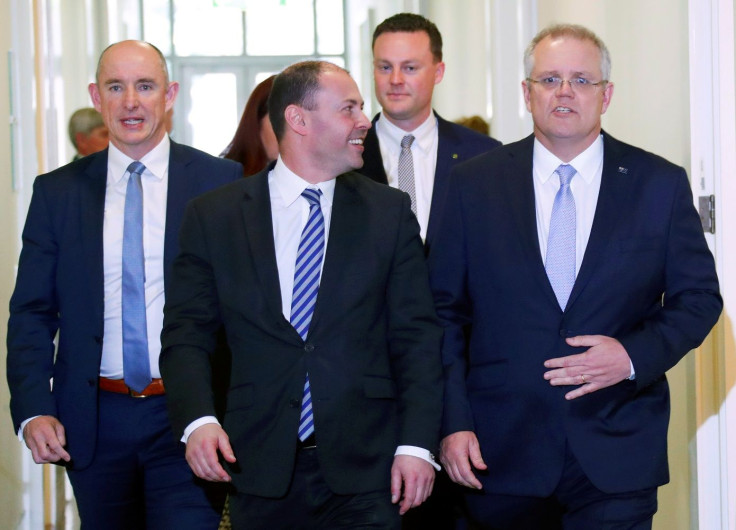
pixel 582 378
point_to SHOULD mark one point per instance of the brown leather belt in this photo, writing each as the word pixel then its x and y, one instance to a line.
pixel 156 388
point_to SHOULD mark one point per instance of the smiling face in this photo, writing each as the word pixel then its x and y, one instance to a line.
pixel 405 73
pixel 566 120
pixel 335 127
pixel 133 96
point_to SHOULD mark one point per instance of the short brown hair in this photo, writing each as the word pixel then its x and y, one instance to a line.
pixel 410 23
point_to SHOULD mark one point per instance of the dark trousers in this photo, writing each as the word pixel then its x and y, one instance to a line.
pixel 576 504
pixel 139 478
pixel 310 505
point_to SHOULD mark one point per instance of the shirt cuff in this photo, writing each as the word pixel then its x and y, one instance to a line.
pixel 204 420
pixel 632 375
pixel 23 426
pixel 424 454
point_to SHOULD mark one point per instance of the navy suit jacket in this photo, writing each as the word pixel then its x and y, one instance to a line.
pixel 647 279
pixel 60 287
pixel 372 352
pixel 455 144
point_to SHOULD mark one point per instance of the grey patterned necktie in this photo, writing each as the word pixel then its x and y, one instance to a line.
pixel 406 171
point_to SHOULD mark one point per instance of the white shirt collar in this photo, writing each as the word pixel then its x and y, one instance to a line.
pixel 423 135
pixel 586 163
pixel 289 186
pixel 156 160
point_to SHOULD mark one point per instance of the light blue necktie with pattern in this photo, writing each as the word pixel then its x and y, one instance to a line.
pixel 136 365
pixel 560 262
pixel 306 285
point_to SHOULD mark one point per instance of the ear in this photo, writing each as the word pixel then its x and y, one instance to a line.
pixel 94 93
pixel 294 116
pixel 527 96
pixel 607 95
pixel 171 93
pixel 439 72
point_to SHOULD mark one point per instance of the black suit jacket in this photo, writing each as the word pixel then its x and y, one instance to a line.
pixel 647 279
pixel 372 352
pixel 60 287
pixel 455 144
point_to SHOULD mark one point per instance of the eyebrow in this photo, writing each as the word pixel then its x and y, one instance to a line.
pixel 137 81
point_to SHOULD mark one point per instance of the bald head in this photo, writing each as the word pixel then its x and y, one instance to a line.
pixel 129 44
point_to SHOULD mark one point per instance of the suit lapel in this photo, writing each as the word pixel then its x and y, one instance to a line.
pixel 616 181
pixel 447 155
pixel 92 220
pixel 258 226
pixel 346 222
pixel 519 179
pixel 372 160
pixel 180 190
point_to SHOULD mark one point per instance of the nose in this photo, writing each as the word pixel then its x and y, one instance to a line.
pixel 396 78
pixel 130 100
pixel 363 121
pixel 566 91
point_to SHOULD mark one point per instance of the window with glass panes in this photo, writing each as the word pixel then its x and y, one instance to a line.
pixel 219 50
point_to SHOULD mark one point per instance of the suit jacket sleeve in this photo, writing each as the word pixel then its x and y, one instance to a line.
pixel 449 287
pixel 691 303
pixel 190 329
pixel 415 337
pixel 34 316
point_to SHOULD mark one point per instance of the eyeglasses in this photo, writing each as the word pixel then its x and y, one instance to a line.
pixel 577 84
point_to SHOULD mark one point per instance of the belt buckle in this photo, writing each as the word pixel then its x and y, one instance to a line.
pixel 138 395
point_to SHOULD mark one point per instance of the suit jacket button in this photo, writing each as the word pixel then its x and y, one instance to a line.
pixel 309 347
pixel 294 403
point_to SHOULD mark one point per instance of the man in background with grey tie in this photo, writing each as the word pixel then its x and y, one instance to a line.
pixel 580 263
pixel 410 147
pixel 318 276
pixel 98 243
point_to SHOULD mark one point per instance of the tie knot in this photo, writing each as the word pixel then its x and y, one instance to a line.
pixel 566 172
pixel 312 196
pixel 136 168
pixel 406 141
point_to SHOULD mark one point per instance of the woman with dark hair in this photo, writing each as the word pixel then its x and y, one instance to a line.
pixel 254 144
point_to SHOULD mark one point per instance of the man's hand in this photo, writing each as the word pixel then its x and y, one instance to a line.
pixel 604 364
pixel 457 452
pixel 202 447
pixel 45 437
pixel 417 477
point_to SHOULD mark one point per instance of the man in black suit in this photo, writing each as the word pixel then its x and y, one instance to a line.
pixel 407 64
pixel 335 394
pixel 126 469
pixel 581 265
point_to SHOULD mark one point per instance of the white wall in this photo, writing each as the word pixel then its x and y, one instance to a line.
pixel 10 468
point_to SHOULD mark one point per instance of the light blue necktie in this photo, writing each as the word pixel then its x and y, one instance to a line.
pixel 560 262
pixel 136 365
pixel 306 286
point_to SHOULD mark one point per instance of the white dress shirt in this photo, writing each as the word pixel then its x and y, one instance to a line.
pixel 289 214
pixel 424 155
pixel 585 186
pixel 155 181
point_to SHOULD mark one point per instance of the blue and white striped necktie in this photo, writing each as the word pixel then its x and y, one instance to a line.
pixel 306 285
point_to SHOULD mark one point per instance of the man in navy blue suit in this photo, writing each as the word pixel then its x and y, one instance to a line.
pixel 407 64
pixel 73 406
pixel 580 265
